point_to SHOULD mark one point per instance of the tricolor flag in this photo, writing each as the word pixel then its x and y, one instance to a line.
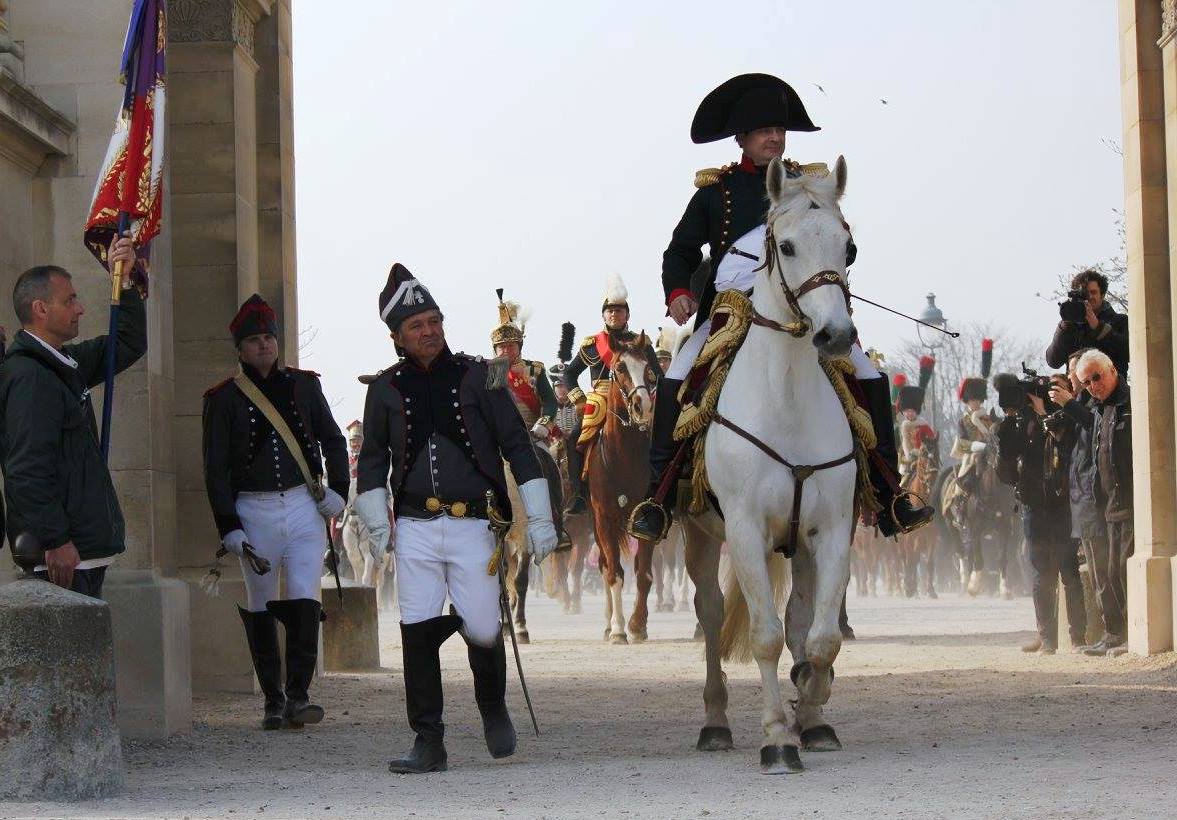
pixel 130 181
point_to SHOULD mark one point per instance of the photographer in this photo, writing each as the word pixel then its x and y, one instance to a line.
pixel 1111 431
pixel 1087 320
pixel 1074 426
pixel 1035 464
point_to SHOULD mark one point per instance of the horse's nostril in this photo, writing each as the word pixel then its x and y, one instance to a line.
pixel 821 338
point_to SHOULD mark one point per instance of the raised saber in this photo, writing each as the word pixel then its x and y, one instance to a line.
pixel 499 526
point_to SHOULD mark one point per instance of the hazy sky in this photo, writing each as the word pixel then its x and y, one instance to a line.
pixel 536 146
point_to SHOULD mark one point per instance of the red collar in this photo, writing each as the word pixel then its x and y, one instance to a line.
pixel 748 166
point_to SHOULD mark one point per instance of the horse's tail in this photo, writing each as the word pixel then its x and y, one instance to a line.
pixel 735 640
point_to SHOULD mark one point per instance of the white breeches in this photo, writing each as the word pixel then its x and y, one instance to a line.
pixel 448 556
pixel 286 529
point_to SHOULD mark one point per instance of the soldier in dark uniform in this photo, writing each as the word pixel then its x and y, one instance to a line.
pixel 437 436
pixel 259 496
pixel 728 213
pixel 595 356
pixel 527 380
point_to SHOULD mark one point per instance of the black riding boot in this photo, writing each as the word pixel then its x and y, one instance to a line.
pixel 420 643
pixel 650 521
pixel 579 501
pixel 489 665
pixel 261 633
pixel 301 618
pixel 897 515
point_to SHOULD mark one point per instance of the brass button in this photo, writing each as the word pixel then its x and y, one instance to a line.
pixel 458 509
pixel 432 504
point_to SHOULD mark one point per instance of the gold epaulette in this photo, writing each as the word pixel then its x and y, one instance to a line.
pixel 812 169
pixel 589 341
pixel 710 176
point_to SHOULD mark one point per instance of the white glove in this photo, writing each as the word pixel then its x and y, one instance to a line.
pixel 234 542
pixel 372 508
pixel 541 532
pixel 978 447
pixel 331 504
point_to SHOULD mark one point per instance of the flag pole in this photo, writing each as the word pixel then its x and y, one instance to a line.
pixel 116 293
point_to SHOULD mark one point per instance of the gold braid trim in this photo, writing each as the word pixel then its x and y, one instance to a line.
pixel 861 428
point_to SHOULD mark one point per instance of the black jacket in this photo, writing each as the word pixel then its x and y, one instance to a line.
pixel 237 436
pixel 1035 464
pixel 490 423
pixel 1113 443
pixel 58 487
pixel 1074 426
pixel 718 214
pixel 1111 336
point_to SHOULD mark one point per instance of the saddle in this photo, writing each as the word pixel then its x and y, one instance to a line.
pixel 731 317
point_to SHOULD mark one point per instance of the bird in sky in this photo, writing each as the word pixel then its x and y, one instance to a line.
pixel 822 90
pixel 884 102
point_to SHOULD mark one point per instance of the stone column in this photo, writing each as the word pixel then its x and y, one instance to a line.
pixel 1146 105
pixel 71 61
pixel 213 112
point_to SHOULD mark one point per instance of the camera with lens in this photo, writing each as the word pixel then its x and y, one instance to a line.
pixel 1013 392
pixel 1074 310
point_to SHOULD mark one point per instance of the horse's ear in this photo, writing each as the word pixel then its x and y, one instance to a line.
pixel 776 180
pixel 840 177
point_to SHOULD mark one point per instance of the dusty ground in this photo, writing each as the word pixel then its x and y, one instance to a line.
pixel 940 714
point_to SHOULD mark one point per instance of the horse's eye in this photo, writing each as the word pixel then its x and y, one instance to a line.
pixel 621 368
pixel 787 248
pixel 851 252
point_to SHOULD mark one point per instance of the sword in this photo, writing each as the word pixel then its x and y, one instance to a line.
pixel 499 526
pixel 334 562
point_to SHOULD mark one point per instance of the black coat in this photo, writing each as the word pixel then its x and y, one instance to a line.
pixel 58 487
pixel 717 215
pixel 1035 464
pixel 489 419
pixel 1077 420
pixel 1113 431
pixel 234 433
pixel 1111 336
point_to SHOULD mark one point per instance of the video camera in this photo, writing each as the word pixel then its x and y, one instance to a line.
pixel 1014 392
pixel 1074 310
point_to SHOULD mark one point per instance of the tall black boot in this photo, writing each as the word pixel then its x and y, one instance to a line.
pixel 897 515
pixel 489 665
pixel 301 618
pixel 579 501
pixel 420 643
pixel 650 520
pixel 261 633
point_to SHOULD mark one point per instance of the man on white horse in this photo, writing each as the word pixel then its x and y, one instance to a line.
pixel 728 213
pixel 596 355
pixel 436 434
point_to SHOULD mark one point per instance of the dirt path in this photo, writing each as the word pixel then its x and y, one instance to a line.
pixel 940 714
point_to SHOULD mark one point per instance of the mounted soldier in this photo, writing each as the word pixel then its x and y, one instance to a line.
pixel 728 213
pixel 914 430
pixel 527 380
pixel 435 437
pixel 267 431
pixel 596 355
pixel 974 428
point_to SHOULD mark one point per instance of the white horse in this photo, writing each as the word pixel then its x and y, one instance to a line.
pixel 779 406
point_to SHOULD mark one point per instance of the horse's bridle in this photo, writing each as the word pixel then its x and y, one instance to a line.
pixel 626 395
pixel 800 325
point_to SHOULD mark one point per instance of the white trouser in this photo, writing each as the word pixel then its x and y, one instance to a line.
pixel 448 555
pixel 286 529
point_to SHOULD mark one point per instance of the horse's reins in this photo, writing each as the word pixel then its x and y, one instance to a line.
pixel 797 328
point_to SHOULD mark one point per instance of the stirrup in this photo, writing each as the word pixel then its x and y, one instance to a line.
pixel 908 494
pixel 638 511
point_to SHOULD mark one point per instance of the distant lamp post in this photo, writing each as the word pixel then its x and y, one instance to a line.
pixel 932 315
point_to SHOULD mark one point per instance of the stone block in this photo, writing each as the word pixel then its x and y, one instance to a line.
pixel 59 739
pixel 1150 604
pixel 152 652
pixel 220 656
pixel 351 636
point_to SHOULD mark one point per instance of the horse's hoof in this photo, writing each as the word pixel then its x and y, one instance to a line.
pixel 932 595
pixel 640 637
pixel 821 738
pixel 715 739
pixel 780 760
pixel 576 609
pixel 522 637
pixel 618 639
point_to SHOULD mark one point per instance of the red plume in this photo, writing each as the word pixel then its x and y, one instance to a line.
pixel 986 357
pixel 927 366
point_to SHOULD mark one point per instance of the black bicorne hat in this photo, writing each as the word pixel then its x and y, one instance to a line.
pixel 403 296
pixel 748 102
pixel 255 316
